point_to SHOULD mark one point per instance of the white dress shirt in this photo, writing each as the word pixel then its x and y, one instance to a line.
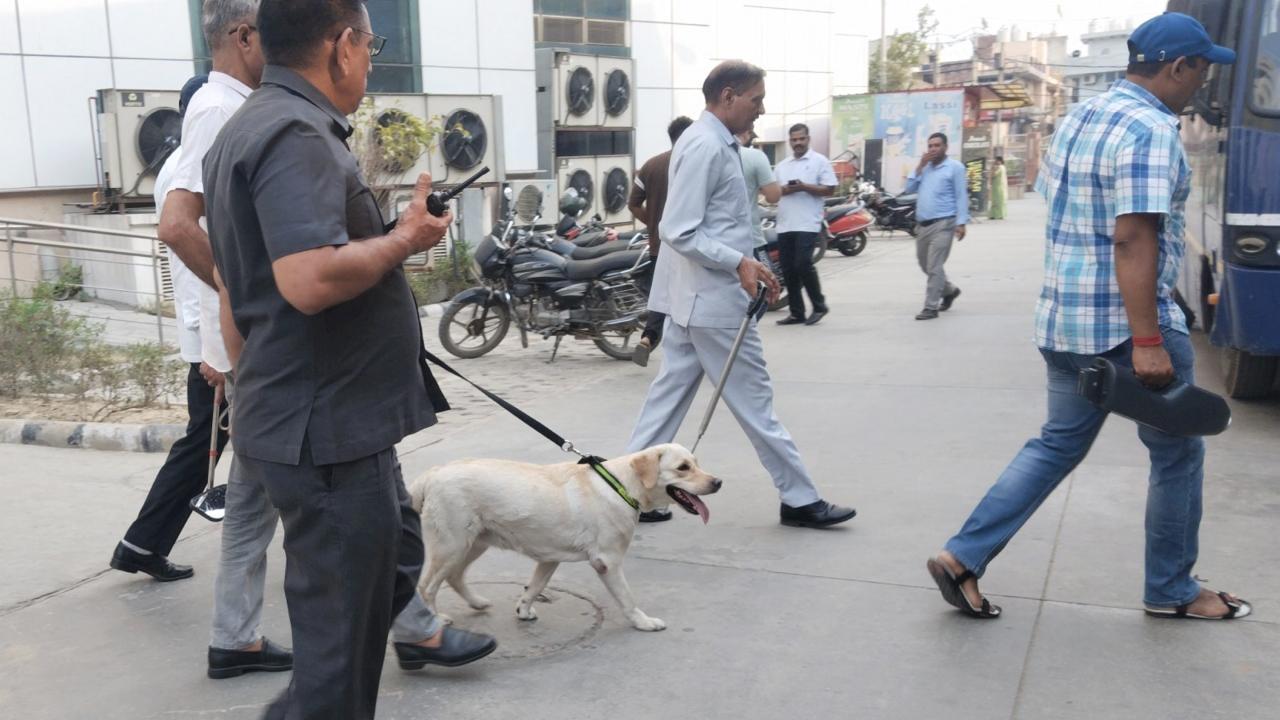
pixel 210 108
pixel 802 211
pixel 186 286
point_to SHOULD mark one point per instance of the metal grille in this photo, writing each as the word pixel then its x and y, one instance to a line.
pixel 166 275
pixel 627 298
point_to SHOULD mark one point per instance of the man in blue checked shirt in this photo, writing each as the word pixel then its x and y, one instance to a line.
pixel 1116 180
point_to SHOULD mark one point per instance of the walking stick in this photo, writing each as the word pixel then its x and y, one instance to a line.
pixel 212 503
pixel 755 311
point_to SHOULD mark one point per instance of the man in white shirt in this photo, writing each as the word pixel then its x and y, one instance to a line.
pixel 805 178
pixel 149 539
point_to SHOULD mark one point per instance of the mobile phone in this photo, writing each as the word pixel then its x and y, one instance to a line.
pixel 793 182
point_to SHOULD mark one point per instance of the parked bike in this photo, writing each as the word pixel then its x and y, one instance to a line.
pixel 525 282
pixel 846 226
pixel 892 212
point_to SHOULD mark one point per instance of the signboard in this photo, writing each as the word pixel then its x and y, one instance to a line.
pixel 904 121
pixel 852 124
pixel 977 145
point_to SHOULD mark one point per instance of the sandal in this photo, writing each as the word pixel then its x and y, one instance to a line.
pixel 1236 609
pixel 950 583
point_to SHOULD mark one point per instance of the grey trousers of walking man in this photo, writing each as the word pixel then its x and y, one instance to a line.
pixel 692 352
pixel 933 247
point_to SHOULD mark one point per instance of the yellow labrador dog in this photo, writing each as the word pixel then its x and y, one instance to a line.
pixel 551 513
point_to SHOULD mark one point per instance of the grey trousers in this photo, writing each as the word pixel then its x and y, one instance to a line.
pixel 691 352
pixel 247 531
pixel 933 247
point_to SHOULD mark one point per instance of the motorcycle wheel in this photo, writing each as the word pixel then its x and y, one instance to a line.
pixel 466 331
pixel 820 247
pixel 853 245
pixel 780 303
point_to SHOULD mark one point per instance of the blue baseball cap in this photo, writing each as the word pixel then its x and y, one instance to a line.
pixel 1173 35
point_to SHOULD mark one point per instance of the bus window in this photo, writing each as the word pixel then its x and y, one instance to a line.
pixel 1266 74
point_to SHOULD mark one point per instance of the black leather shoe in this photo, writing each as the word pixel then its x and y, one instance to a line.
pixel 927 314
pixel 791 320
pixel 948 299
pixel 457 647
pixel 157 566
pixel 816 515
pixel 816 316
pixel 654 516
pixel 231 663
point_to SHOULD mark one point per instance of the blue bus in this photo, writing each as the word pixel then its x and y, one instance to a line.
pixel 1230 279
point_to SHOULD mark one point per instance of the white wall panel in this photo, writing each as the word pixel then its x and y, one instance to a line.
pixel 691 61
pixel 450 81
pixel 699 12
pixel 65 27
pixel 8 26
pixel 651 10
pixel 448 33
pixel 737 30
pixel 770 52
pixel 152 74
pixel 687 102
pixel 150 28
pixel 16 169
pixel 517 89
pixel 653 113
pixel 651 48
pixel 506 34
pixel 58 90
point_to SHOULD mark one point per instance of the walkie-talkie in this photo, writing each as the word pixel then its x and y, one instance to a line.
pixel 438 202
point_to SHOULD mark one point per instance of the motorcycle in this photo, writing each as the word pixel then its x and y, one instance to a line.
pixel 892 212
pixel 541 291
pixel 846 227
pixel 769 224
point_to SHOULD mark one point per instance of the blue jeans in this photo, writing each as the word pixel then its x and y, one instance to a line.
pixel 1173 493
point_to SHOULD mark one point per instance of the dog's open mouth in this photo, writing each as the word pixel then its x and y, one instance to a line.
pixel 691 503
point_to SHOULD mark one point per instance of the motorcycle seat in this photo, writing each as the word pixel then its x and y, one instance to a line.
pixel 597 251
pixel 906 199
pixel 839 211
pixel 589 269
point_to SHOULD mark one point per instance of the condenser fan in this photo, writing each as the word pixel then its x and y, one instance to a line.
pixel 581 90
pixel 617 93
pixel 580 180
pixel 465 139
pixel 615 190
pixel 159 133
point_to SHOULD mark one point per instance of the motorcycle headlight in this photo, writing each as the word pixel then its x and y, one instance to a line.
pixel 1251 245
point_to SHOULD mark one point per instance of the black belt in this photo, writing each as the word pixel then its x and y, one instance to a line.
pixel 927 223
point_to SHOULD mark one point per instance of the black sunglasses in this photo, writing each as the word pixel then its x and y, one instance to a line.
pixel 375 47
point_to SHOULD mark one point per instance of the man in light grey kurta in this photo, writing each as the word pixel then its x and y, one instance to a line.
pixel 702 287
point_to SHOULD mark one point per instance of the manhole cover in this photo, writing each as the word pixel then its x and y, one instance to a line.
pixel 568 619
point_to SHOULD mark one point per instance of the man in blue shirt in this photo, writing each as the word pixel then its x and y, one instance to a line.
pixel 1117 180
pixel 942 211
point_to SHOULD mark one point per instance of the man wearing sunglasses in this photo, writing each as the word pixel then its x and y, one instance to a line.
pixel 324 336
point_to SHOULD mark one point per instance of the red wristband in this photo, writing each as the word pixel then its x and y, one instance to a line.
pixel 1153 341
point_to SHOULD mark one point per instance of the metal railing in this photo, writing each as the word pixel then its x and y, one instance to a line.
pixel 155 255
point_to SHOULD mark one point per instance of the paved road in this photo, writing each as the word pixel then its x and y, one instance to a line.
pixel 909 421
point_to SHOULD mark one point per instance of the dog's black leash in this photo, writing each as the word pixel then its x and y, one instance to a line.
pixel 596 462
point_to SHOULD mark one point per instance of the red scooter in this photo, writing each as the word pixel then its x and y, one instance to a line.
pixel 846 227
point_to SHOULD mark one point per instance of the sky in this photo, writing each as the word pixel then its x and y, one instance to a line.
pixel 958 19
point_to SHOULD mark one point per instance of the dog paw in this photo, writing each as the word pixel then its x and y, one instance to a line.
pixel 526 612
pixel 444 619
pixel 645 623
pixel 479 603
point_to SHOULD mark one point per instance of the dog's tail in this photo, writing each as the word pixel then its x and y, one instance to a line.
pixel 418 494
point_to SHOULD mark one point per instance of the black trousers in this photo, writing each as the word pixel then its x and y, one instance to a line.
pixel 353 553
pixel 165 511
pixel 653 327
pixel 795 253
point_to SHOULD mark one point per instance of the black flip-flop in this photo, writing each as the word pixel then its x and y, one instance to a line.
pixel 1236 609
pixel 953 593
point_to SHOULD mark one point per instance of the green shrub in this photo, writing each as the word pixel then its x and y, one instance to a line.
pixel 451 275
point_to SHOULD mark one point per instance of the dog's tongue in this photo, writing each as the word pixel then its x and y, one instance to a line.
pixel 703 511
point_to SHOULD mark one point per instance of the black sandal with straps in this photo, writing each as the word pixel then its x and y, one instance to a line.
pixel 950 585
pixel 1236 609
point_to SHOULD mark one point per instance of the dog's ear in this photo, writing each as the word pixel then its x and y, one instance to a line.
pixel 645 466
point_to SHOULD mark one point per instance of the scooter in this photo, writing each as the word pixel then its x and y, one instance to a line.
pixel 846 227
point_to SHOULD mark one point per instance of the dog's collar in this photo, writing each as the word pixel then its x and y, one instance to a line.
pixel 597 464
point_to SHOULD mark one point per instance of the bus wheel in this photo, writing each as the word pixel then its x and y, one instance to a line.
pixel 1247 376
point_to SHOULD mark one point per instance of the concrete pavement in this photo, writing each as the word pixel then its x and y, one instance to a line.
pixel 909 421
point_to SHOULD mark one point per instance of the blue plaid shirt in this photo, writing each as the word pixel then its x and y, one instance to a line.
pixel 1116 154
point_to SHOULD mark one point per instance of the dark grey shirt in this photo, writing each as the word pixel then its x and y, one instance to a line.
pixel 280 180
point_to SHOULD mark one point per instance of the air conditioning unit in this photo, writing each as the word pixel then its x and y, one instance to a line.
pixel 580 173
pixel 613 187
pixel 525 211
pixel 392 108
pixel 471 138
pixel 137 130
pixel 616 91
pixel 575 93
